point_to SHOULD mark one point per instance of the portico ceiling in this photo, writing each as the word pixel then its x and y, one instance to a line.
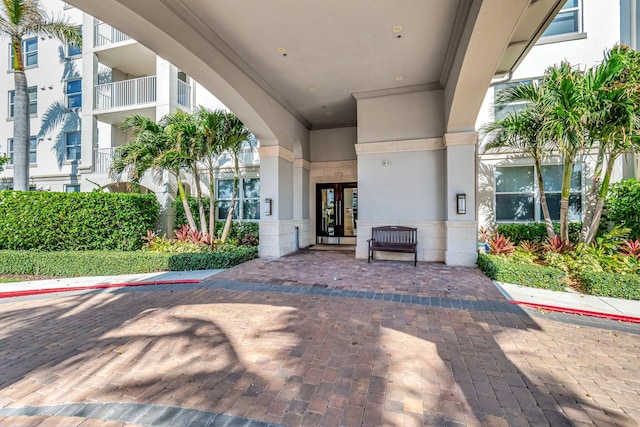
pixel 315 54
pixel 311 56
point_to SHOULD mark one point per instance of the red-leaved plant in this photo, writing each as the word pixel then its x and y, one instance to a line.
pixel 501 245
pixel 186 234
pixel 531 247
pixel 558 245
pixel 631 248
pixel 151 235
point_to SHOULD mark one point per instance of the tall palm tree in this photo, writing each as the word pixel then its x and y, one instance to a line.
pixel 150 149
pixel 211 129
pixel 184 133
pixel 613 121
pixel 234 135
pixel 564 110
pixel 522 131
pixel 19 18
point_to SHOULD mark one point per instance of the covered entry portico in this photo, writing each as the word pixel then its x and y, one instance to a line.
pixel 382 93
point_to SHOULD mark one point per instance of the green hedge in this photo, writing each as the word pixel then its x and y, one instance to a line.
pixel 503 269
pixel 212 260
pixel 536 231
pixel 621 206
pixel 107 263
pixel 47 221
pixel 612 285
pixel 81 263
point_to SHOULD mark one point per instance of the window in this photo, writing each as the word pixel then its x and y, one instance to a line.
pixel 247 200
pixel 72 143
pixel 73 91
pixel 517 196
pixel 29 53
pixel 73 50
pixel 72 188
pixel 568 20
pixel 33 150
pixel 512 107
pixel 33 101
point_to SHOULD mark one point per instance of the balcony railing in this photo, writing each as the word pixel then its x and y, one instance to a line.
pixel 104 34
pixel 125 93
pixel 103 159
pixel 184 94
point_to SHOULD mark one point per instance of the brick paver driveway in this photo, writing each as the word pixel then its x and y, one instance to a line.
pixel 317 338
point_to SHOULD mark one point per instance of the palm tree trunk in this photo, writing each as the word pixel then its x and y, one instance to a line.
pixel 212 203
pixel 185 205
pixel 592 197
pixel 21 133
pixel 551 233
pixel 602 194
pixel 564 202
pixel 203 218
pixel 227 225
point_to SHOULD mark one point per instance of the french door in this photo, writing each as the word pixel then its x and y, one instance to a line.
pixel 337 213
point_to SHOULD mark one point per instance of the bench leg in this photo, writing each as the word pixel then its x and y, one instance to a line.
pixel 415 258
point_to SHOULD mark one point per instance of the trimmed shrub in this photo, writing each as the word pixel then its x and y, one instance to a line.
pixel 81 263
pixel 535 231
pixel 107 263
pixel 612 285
pixel 621 206
pixel 46 221
pixel 504 269
pixel 212 260
pixel 239 229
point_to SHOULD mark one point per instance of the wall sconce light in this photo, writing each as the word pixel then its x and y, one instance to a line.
pixel 267 207
pixel 461 203
pixel 386 163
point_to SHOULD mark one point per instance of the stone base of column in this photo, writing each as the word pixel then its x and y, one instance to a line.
pixel 461 243
pixel 278 238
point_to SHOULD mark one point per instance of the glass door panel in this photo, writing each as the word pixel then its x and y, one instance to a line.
pixel 336 213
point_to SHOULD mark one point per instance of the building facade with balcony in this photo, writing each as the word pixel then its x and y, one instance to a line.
pixel 80 95
pixel 579 34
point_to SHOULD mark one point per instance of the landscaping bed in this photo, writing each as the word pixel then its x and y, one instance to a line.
pixel 610 267
pixel 31 265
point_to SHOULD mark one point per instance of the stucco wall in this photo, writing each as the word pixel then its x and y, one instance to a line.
pixel 330 145
pixel 408 188
pixel 399 117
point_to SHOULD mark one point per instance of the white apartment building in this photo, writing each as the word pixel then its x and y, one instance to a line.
pixel 79 97
pixel 579 34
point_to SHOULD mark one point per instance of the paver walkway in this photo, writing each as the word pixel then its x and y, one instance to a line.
pixel 312 339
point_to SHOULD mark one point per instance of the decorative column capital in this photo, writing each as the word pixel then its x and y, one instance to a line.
pixel 460 138
pixel 276 151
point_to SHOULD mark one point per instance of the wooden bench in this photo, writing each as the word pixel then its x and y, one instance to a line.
pixel 394 239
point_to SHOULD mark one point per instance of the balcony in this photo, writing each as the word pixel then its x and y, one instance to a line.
pixel 103 159
pixel 125 93
pixel 184 94
pixel 105 35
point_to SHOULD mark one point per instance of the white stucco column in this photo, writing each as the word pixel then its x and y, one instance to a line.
pixel 277 231
pixel 166 87
pixel 301 202
pixel 89 125
pixel 461 229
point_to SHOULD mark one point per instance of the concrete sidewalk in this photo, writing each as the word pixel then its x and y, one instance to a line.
pixel 81 283
pixel 572 302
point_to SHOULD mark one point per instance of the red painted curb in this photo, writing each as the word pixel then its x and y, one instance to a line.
pixel 29 292
pixel 618 317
